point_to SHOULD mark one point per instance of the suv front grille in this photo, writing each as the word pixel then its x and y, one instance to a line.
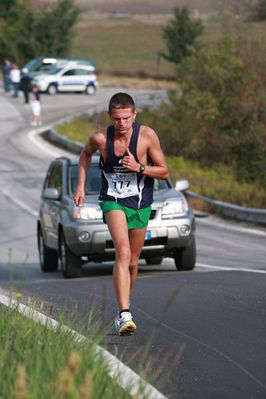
pixel 147 243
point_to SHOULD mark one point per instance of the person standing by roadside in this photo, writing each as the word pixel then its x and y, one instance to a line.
pixel 6 68
pixel 25 84
pixel 15 79
pixel 131 158
pixel 36 107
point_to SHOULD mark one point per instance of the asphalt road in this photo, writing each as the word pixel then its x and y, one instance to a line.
pixel 204 330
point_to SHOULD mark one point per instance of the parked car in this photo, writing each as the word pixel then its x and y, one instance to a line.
pixel 72 235
pixel 40 65
pixel 70 78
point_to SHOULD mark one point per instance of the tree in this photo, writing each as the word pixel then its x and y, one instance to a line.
pixel 261 10
pixel 218 114
pixel 54 28
pixel 180 35
pixel 27 32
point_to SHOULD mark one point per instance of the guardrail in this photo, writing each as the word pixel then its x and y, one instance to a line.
pixel 236 212
pixel 153 100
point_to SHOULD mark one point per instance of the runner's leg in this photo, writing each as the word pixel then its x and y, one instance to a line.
pixel 117 224
pixel 136 241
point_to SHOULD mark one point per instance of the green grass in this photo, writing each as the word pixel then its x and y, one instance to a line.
pixel 36 362
pixel 216 183
pixel 130 46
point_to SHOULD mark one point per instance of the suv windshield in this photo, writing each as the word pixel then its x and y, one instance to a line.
pixel 93 180
pixel 53 70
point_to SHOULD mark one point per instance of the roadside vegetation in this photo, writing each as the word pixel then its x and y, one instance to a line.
pixel 55 366
pixel 215 123
pixel 217 182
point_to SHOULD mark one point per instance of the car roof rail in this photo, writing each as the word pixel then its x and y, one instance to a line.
pixel 63 158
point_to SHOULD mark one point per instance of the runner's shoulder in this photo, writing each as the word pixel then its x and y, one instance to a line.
pixel 147 133
pixel 99 136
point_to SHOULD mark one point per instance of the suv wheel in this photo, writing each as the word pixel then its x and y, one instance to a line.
pixel 48 257
pixel 185 258
pixel 155 260
pixel 90 89
pixel 52 90
pixel 70 263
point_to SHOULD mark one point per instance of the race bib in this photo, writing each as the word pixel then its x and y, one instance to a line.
pixel 122 185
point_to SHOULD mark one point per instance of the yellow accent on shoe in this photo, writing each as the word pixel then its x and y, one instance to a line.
pixel 128 328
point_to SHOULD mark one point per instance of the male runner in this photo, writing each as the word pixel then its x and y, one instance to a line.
pixel 131 157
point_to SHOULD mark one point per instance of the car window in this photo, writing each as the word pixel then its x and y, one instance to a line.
pixel 93 179
pixel 54 70
pixel 161 184
pixel 54 178
pixel 83 72
pixel 70 72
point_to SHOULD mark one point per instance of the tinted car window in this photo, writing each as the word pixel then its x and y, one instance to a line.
pixel 93 179
pixel 161 184
pixel 54 178
pixel 71 72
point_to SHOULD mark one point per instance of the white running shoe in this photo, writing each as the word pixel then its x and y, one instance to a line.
pixel 124 325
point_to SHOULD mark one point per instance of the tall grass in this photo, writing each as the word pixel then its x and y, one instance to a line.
pixel 36 362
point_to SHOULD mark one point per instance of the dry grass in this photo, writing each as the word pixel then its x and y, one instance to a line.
pixel 145 7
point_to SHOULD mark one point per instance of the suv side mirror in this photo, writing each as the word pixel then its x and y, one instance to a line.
pixel 182 185
pixel 50 194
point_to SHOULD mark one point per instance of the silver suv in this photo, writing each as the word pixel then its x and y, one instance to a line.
pixel 72 235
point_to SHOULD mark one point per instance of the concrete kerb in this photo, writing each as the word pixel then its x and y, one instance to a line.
pixel 227 210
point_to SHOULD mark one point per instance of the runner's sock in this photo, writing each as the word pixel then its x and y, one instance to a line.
pixel 123 310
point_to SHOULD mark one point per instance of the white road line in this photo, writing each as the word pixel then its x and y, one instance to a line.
pixel 124 376
pixel 233 269
pixel 19 203
pixel 32 133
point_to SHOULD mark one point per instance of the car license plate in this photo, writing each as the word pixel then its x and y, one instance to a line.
pixel 148 235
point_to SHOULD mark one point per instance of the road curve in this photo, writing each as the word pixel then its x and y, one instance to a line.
pixel 205 330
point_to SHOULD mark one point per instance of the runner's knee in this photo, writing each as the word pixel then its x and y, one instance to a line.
pixel 123 253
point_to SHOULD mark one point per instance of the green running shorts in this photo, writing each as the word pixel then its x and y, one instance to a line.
pixel 136 218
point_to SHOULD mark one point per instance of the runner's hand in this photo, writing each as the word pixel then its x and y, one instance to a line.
pixel 130 163
pixel 79 197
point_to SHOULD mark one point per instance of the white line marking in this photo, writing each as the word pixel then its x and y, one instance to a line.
pixel 19 203
pixel 124 376
pixel 32 133
pixel 233 269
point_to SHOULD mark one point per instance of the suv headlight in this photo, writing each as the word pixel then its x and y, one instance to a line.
pixel 172 209
pixel 87 211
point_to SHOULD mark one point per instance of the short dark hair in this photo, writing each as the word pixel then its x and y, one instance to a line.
pixel 121 100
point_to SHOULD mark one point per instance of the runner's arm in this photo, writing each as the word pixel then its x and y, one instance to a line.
pixel 90 148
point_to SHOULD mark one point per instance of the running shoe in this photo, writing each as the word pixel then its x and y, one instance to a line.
pixel 124 324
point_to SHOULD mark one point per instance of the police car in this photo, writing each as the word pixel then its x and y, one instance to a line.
pixel 72 77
